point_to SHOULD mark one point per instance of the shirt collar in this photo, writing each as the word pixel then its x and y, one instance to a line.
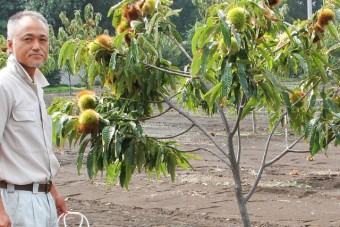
pixel 39 78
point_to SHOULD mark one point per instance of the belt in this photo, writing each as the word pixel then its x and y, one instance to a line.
pixel 28 187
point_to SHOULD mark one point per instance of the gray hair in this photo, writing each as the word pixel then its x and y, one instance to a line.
pixel 14 20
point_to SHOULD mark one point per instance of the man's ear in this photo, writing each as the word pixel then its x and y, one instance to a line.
pixel 9 45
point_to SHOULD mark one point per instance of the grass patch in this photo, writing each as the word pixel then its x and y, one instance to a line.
pixel 62 88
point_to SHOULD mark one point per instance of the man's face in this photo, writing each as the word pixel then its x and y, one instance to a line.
pixel 30 42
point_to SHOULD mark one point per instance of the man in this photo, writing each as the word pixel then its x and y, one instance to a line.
pixel 27 162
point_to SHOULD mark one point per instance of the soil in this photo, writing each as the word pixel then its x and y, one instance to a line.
pixel 294 191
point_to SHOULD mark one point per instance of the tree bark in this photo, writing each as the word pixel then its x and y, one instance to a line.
pixel 238 185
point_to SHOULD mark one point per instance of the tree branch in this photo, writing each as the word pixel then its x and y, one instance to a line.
pixel 239 114
pixel 181 47
pixel 170 71
pixel 287 150
pixel 264 163
pixel 205 132
pixel 179 134
pixel 209 151
pixel 158 115
pixel 239 147
pixel 298 151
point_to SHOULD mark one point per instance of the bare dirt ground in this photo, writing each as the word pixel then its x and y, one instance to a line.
pixel 292 192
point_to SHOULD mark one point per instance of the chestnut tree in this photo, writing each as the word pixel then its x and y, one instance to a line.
pixel 240 53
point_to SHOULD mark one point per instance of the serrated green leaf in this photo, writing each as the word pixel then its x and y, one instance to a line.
pixel 118 144
pixel 266 56
pixel 302 62
pixel 226 33
pixel 107 135
pixel 308 129
pixel 90 163
pixel 156 35
pixel 175 12
pixel 92 72
pixel 321 67
pixel 171 165
pixel 148 44
pixel 212 95
pixel 112 172
pixel 205 58
pixel 128 176
pixel 140 155
pixel 132 56
pixel 314 142
pixel 194 41
pixel 250 106
pixel 71 57
pixel 79 56
pixel 81 152
pixel 176 34
pixel 286 99
pixel 312 100
pixel 334 47
pixel 130 153
pixel 118 40
pixel 122 175
pixel 336 131
pixel 332 106
pixel 70 126
pixel 196 63
pixel 62 54
pixel 152 23
pixel 243 79
pixel 205 37
pixel 113 62
pixel 332 29
pixel 192 156
pixel 227 79
pixel 119 5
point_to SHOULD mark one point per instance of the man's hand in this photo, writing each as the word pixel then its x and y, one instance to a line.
pixel 59 201
pixel 4 219
pixel 60 205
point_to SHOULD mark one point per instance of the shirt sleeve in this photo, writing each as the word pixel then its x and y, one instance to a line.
pixel 5 108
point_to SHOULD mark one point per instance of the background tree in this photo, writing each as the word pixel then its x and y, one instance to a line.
pixel 52 9
pixel 3 51
pixel 81 27
pixel 7 9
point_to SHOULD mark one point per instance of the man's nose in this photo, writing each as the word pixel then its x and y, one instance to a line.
pixel 36 45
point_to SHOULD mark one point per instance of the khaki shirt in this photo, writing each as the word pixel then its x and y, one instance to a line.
pixel 26 154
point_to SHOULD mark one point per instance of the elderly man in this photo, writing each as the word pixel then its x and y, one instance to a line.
pixel 27 162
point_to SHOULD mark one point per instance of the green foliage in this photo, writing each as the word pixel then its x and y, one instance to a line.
pixel 52 9
pixel 325 127
pixel 268 51
pixel 3 51
pixel 7 9
pixel 120 147
pixel 245 75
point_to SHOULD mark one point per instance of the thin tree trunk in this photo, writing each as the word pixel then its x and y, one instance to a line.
pixel 254 122
pixel 238 185
pixel 69 82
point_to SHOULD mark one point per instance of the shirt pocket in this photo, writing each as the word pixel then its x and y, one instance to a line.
pixel 24 116
pixel 26 130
